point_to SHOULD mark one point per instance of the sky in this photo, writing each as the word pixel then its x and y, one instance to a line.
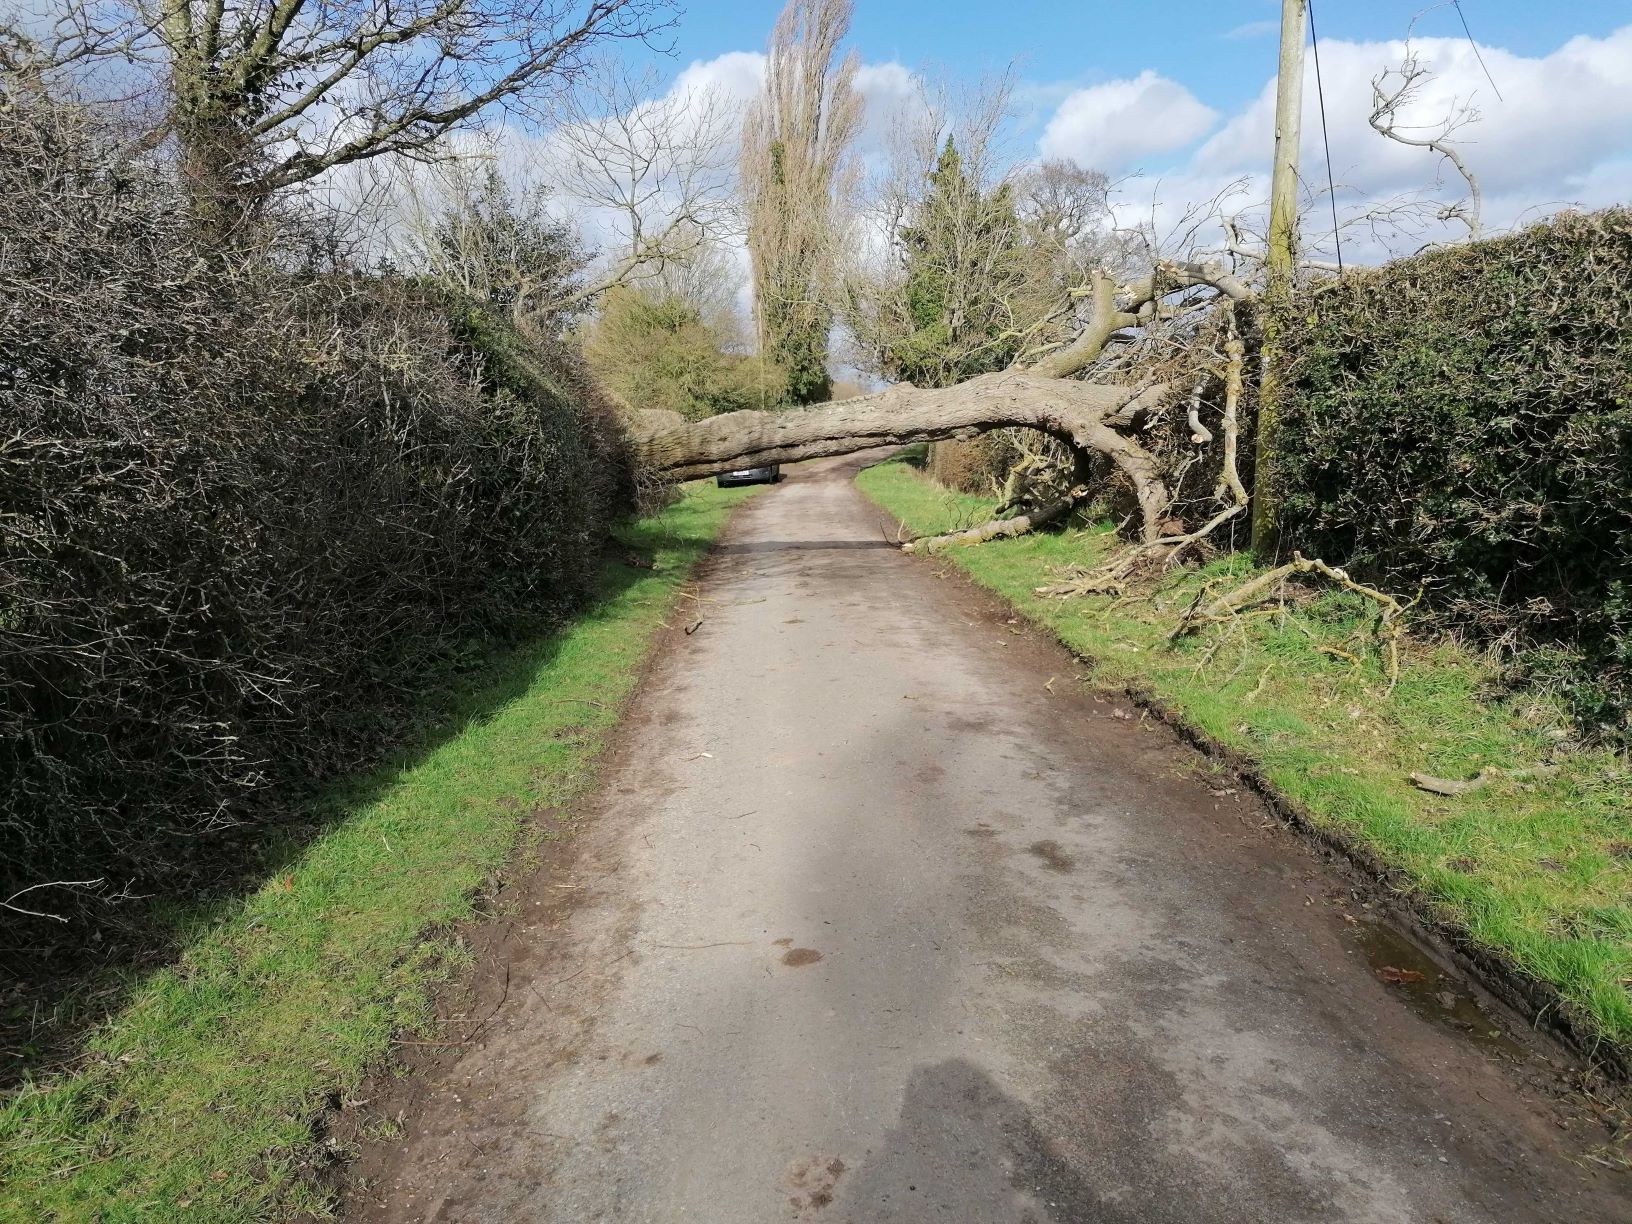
pixel 1222 51
pixel 1177 100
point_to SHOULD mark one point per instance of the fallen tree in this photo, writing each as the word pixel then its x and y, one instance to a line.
pixel 1091 418
pixel 1086 416
pixel 1093 324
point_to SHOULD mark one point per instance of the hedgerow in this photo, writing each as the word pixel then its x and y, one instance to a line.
pixel 247 497
pixel 1461 422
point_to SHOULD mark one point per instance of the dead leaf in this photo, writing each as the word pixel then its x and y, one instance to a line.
pixel 1398 977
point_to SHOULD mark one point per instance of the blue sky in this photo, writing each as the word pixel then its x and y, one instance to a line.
pixel 1176 101
pixel 1081 42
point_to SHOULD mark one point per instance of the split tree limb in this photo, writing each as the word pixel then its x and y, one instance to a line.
pixel 1110 579
pixel 1235 352
pixel 1115 307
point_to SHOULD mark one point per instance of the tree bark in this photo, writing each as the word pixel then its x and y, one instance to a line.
pixel 1001 529
pixel 1083 415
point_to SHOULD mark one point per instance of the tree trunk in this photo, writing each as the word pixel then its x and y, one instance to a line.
pixel 1083 415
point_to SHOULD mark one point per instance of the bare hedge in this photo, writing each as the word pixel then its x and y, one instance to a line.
pixel 244 500
pixel 1461 421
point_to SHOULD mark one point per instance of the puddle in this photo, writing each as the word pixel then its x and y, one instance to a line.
pixel 1436 997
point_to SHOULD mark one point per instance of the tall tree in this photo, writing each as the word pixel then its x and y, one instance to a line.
pixel 963 268
pixel 794 145
pixel 265 94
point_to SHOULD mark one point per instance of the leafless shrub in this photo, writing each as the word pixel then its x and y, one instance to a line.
pixel 245 496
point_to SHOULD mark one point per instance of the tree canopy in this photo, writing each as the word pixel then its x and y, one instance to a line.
pixel 962 253
pixel 655 351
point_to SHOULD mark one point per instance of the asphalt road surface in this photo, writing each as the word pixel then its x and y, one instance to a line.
pixel 871 923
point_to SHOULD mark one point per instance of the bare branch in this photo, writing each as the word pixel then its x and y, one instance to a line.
pixel 1396 89
pixel 266 94
pixel 17 909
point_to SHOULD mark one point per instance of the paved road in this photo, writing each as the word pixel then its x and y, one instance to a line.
pixel 868 926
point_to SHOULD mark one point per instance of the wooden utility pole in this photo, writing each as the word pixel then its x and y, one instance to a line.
pixel 1279 265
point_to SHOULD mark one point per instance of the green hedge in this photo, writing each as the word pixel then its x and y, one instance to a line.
pixel 1461 421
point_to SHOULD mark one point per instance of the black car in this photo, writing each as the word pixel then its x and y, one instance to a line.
pixel 768 473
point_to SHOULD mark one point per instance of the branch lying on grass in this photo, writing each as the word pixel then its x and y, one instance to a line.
pixel 1452 788
pixel 1000 529
pixel 1226 607
pixel 1110 579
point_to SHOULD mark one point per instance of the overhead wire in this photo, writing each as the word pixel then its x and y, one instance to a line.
pixel 1472 42
pixel 1325 137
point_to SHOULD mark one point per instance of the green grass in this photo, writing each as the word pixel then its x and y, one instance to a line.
pixel 197 1100
pixel 1538 870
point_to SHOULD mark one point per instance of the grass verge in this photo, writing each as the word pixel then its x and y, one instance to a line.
pixel 1537 871
pixel 197 1100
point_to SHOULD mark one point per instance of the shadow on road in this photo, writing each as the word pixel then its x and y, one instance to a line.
pixel 963 1148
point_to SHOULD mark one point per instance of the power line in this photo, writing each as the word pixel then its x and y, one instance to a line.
pixel 1457 5
pixel 1320 92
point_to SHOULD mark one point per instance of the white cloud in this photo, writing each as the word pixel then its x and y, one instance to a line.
pixel 1560 133
pixel 1559 119
pixel 888 82
pixel 892 98
pixel 736 76
pixel 1115 124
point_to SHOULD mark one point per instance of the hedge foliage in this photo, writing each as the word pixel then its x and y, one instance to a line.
pixel 245 497
pixel 1461 421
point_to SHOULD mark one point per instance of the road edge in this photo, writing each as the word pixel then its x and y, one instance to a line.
pixel 1607 1068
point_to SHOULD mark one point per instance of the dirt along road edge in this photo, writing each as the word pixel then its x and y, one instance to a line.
pixel 881 914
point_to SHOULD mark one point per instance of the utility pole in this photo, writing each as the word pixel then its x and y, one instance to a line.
pixel 1278 266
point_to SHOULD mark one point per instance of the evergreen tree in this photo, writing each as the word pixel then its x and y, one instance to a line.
pixel 963 261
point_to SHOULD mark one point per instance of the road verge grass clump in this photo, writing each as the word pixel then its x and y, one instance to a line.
pixel 197 1100
pixel 1533 869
